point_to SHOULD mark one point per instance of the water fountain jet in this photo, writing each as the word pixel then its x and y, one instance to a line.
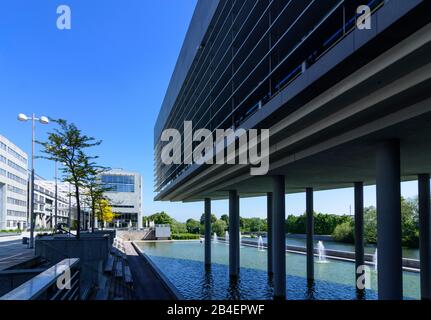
pixel 321 253
pixel 260 244
pixel 375 255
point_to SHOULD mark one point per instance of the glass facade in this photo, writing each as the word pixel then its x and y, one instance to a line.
pixel 119 183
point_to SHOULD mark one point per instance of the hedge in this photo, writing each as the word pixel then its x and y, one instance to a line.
pixel 185 236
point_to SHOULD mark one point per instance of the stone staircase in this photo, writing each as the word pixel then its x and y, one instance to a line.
pixel 117 280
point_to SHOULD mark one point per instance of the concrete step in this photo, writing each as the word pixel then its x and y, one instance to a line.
pixel 119 269
pixel 128 275
pixel 109 264
pixel 103 292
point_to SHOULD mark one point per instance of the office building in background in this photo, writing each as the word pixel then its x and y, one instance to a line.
pixel 45 203
pixel 13 186
pixel 125 197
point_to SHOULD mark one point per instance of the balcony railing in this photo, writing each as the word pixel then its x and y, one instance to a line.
pixel 289 68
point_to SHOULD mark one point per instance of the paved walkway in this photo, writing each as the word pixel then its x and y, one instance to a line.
pixel 12 251
pixel 146 284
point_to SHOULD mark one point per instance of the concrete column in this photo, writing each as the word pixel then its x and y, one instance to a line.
pixel 425 235
pixel 310 233
pixel 233 233
pixel 238 233
pixel 207 232
pixel 359 227
pixel 390 282
pixel 279 237
pixel 269 245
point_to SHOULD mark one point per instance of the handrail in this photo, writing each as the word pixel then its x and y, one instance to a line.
pixel 38 286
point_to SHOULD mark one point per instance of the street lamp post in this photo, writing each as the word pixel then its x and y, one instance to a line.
pixel 33 119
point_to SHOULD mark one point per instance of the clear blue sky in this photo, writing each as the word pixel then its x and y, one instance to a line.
pixel 109 75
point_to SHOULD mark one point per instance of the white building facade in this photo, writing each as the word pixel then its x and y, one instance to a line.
pixel 44 208
pixel 13 186
pixel 125 197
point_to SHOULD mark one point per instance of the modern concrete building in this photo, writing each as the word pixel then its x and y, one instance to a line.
pixel 125 196
pixel 13 186
pixel 346 97
pixel 45 204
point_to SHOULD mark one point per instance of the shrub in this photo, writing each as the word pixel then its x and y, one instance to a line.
pixel 344 232
pixel 185 236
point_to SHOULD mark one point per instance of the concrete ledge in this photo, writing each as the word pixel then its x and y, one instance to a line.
pixel 92 250
pixel 408 264
pixel 304 236
pixel 9 234
pixel 164 280
pixel 110 233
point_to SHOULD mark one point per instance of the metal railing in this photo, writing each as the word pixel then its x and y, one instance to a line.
pixel 164 178
pixel 45 286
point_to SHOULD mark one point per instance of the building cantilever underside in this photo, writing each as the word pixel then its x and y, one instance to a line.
pixel 325 123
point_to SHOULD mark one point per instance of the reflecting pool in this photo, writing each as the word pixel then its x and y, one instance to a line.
pixel 334 245
pixel 182 263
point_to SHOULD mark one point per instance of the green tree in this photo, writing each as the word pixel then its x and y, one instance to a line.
pixel 410 222
pixel 344 232
pixel 94 189
pixel 193 226
pixel 256 225
pixel 370 224
pixel 202 219
pixel 66 145
pixel 178 227
pixel 295 224
pixel 161 218
pixel 324 224
pixel 164 218
pixel 219 227
pixel 225 218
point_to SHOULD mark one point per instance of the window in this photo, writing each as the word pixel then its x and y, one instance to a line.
pixel 3 159
pixel 14 213
pixel 119 183
pixel 16 190
pixel 17 155
pixel 17 202
pixel 16 178
pixel 16 167
pixel 3 146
